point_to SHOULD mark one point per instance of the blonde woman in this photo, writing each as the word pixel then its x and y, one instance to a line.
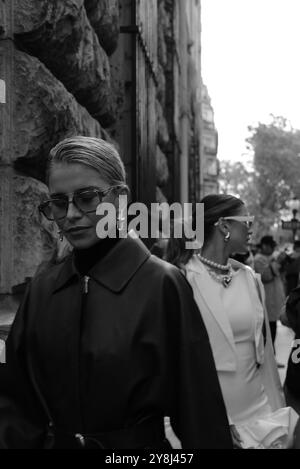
pixel 102 348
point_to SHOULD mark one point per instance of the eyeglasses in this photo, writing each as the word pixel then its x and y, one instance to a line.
pixel 85 200
pixel 246 220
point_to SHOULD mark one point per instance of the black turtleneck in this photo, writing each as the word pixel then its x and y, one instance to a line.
pixel 85 259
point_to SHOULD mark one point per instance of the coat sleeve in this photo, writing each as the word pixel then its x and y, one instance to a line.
pixel 293 310
pixel 197 413
pixel 21 421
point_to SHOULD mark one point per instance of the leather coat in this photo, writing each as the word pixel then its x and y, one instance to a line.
pixel 107 351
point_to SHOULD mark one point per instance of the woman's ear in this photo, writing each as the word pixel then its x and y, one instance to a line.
pixel 122 191
pixel 121 200
pixel 223 227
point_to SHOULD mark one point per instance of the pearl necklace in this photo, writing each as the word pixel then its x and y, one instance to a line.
pixel 214 264
pixel 225 279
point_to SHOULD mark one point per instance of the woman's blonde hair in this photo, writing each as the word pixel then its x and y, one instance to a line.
pixel 93 152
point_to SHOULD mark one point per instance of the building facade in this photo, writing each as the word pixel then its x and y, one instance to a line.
pixel 128 71
pixel 210 146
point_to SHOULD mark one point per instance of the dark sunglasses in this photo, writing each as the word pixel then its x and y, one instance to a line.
pixel 85 200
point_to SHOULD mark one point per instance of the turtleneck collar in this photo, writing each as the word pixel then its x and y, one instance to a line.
pixel 116 267
pixel 85 259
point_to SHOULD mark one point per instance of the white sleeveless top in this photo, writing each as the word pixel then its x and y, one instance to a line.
pixel 236 312
pixel 243 391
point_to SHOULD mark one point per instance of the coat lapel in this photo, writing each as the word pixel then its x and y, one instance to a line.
pixel 213 302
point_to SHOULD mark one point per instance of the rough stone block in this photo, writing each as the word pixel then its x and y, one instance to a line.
pixel 104 17
pixel 44 113
pixel 27 243
pixel 61 36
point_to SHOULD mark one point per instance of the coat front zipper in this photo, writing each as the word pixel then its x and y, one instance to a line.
pixel 84 297
pixel 86 283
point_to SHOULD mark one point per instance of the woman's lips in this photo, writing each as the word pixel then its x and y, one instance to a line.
pixel 78 229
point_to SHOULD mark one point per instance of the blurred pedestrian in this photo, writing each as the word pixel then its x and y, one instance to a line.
pixel 292 268
pixel 269 268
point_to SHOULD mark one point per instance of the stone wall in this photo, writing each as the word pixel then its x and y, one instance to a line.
pixel 61 36
pixel 54 58
pixel 69 71
pixel 44 113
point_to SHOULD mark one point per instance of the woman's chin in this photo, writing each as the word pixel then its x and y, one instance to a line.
pixel 241 250
pixel 83 243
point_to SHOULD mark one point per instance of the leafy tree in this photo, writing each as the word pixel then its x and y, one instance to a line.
pixel 235 179
pixel 276 149
pixel 239 180
pixel 275 175
pixel 276 163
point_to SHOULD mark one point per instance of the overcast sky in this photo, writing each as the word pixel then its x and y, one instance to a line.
pixel 251 65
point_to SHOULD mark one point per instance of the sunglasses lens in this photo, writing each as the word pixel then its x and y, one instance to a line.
pixel 57 208
pixel 46 210
pixel 87 201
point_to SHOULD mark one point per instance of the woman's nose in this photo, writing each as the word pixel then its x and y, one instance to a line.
pixel 73 211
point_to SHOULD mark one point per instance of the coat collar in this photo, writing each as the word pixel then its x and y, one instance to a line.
pixel 113 271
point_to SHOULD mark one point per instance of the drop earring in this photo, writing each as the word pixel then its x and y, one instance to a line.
pixel 120 223
pixel 227 237
pixel 60 235
pixel 121 219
